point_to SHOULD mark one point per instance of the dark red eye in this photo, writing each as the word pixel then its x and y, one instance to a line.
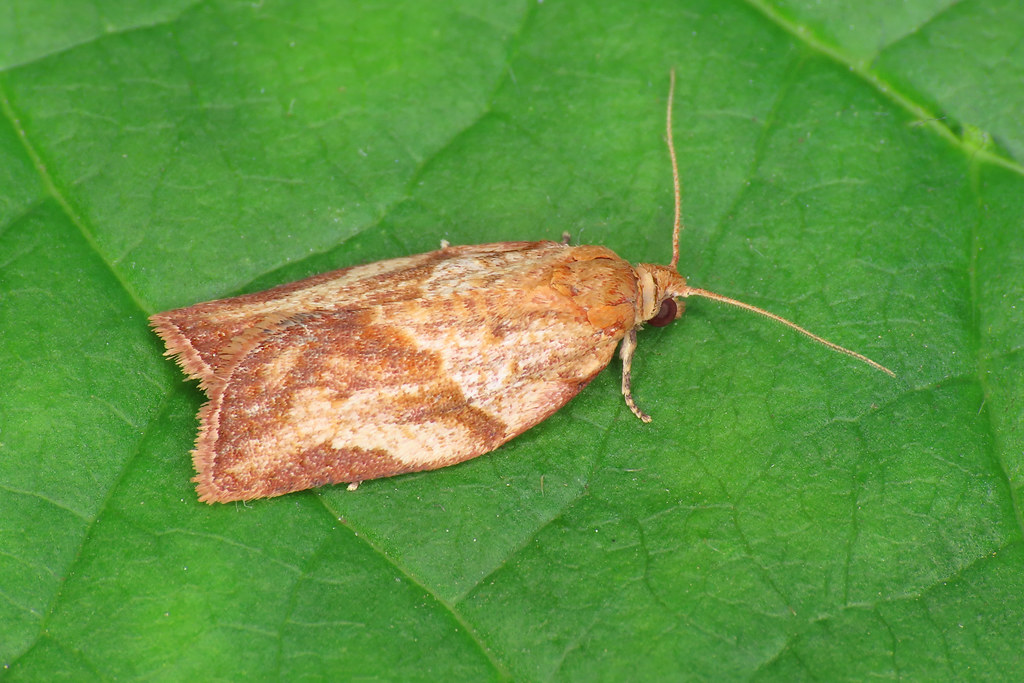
pixel 665 314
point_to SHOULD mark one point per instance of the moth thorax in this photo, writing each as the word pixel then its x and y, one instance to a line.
pixel 656 284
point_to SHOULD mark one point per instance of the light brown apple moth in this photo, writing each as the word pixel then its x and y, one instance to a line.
pixel 413 363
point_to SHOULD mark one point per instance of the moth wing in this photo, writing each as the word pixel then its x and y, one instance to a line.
pixel 353 395
pixel 206 338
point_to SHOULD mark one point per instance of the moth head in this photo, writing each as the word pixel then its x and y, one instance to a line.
pixel 659 287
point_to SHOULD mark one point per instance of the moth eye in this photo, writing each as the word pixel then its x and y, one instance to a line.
pixel 665 314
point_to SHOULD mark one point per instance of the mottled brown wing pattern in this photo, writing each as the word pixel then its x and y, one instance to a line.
pixel 490 341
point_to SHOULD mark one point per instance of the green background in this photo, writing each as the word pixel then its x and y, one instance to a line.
pixel 790 513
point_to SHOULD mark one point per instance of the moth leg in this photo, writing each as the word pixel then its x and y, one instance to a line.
pixel 566 237
pixel 626 354
pixel 353 486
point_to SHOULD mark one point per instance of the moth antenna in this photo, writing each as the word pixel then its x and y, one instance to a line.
pixel 695 291
pixel 677 226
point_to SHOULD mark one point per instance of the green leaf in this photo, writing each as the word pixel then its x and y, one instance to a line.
pixel 790 513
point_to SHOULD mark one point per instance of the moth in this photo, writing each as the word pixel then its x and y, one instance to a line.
pixel 414 363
